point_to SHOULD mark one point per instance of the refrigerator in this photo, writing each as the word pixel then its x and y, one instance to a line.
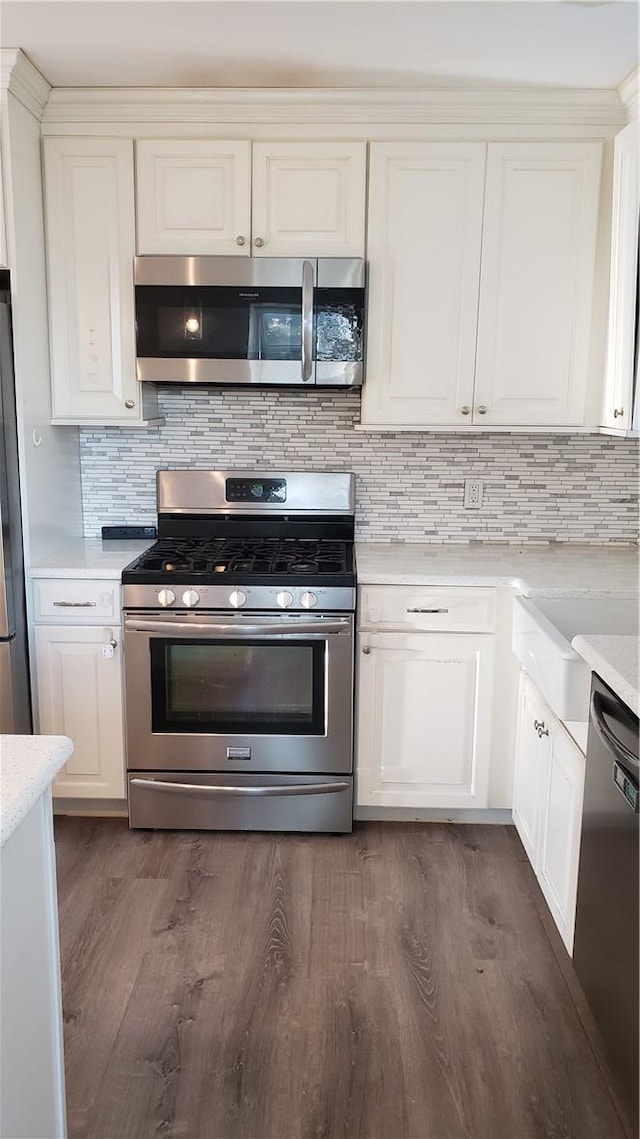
pixel 15 698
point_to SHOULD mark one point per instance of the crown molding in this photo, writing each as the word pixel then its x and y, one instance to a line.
pixel 629 91
pixel 495 104
pixel 19 77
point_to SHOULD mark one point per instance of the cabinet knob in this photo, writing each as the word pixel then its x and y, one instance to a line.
pixel 466 410
pixel 482 410
pixel 240 240
pixel 129 403
pixel 617 412
pixel 258 242
pixel 366 650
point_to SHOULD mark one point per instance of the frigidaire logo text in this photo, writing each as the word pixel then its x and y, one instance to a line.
pixel 248 294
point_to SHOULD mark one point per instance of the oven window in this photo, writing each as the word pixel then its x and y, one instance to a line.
pixel 242 687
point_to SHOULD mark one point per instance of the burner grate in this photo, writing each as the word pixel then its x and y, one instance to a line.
pixel 247 555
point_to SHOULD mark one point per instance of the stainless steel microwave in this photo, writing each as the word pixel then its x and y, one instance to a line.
pixel 241 320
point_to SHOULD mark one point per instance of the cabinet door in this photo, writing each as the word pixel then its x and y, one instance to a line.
pixel 194 196
pixel 424 242
pixel 538 255
pixel 560 838
pixel 424 720
pixel 531 767
pixel 80 695
pixel 89 212
pixel 4 254
pixel 308 199
pixel 618 396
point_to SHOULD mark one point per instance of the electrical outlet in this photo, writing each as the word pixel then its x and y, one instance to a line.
pixel 472 494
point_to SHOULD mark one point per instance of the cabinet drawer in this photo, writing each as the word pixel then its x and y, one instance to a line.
pixel 71 601
pixel 457 609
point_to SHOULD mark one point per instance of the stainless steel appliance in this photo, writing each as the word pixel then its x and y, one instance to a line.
pixel 15 703
pixel 605 952
pixel 239 643
pixel 243 320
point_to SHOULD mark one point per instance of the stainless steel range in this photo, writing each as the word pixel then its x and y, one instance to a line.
pixel 239 635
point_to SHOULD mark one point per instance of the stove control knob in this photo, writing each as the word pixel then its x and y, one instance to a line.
pixel 308 600
pixel 285 599
pixel 166 597
pixel 190 598
pixel 237 599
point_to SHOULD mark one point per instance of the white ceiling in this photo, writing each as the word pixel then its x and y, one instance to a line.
pixel 306 43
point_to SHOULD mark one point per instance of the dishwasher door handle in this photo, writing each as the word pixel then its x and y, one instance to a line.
pixel 611 741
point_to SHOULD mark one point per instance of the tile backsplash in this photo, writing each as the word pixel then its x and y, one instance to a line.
pixel 410 486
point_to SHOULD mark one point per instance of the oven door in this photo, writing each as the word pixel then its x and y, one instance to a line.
pixel 239 692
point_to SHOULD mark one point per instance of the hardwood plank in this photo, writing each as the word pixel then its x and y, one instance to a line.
pixel 99 968
pixel 396 983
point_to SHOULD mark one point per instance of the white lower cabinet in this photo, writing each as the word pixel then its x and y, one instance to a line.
pixel 547 805
pixel 531 767
pixel 79 677
pixel 424 713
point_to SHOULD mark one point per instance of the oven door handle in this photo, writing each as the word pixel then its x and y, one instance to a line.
pixel 202 789
pixel 319 628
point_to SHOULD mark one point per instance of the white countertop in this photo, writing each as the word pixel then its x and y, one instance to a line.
pixel 616 660
pixel 28 764
pixel 555 570
pixel 89 558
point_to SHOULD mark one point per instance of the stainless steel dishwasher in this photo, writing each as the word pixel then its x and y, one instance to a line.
pixel 605 953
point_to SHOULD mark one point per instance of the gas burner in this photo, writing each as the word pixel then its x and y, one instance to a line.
pixel 242 560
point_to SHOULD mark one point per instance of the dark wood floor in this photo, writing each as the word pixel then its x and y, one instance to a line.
pixel 399 982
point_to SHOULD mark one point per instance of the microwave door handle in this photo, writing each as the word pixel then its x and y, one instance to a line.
pixel 307 320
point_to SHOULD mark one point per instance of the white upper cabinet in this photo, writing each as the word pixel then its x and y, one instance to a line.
pixel 308 199
pixel 269 199
pixel 194 196
pixel 618 395
pixel 425 234
pixel 4 255
pixel 538 258
pixel 480 295
pixel 90 231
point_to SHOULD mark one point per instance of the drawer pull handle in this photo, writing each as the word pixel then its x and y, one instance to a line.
pixel 222 792
pixel 76 604
pixel 418 610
